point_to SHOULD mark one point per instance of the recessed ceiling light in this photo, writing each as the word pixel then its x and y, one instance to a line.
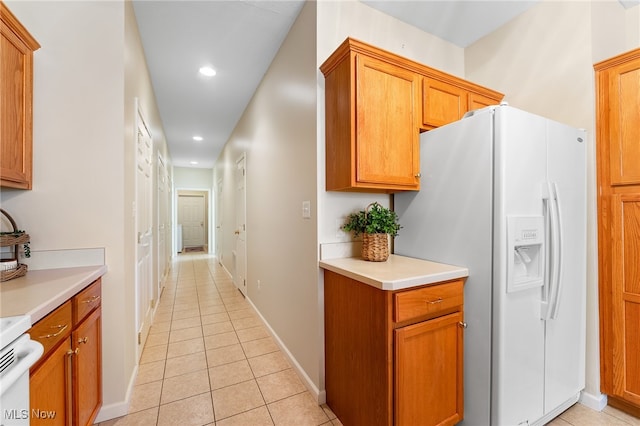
pixel 207 71
pixel 197 138
pixel 193 163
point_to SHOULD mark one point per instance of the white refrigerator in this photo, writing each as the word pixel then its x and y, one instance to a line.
pixel 504 194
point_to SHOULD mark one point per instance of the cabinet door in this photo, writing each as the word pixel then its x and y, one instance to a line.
pixel 16 51
pixel 624 123
pixel 626 296
pixel 428 372
pixel 87 369
pixel 442 103
pixel 477 101
pixel 50 389
pixel 387 137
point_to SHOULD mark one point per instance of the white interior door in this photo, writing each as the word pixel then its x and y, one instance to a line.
pixel 144 231
pixel 218 231
pixel 191 214
pixel 240 276
pixel 163 224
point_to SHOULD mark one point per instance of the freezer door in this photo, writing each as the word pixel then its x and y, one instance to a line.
pixel 450 220
pixel 565 328
pixel 518 331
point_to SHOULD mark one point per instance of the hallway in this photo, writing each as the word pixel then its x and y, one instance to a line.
pixel 210 360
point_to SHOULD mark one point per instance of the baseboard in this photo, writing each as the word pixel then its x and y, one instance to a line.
pixel 121 408
pixel 224 268
pixel 320 396
pixel 595 402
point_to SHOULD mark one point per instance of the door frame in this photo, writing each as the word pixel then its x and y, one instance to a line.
pixel 208 215
pixel 241 287
pixel 163 186
pixel 142 320
pixel 218 219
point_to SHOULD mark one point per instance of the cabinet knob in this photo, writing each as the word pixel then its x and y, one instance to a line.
pixel 75 351
pixel 82 340
pixel 462 324
pixel 418 176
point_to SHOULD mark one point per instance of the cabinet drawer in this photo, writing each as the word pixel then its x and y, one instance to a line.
pixel 53 328
pixel 427 300
pixel 86 301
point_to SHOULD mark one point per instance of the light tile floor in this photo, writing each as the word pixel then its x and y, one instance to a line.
pixel 209 360
pixel 581 415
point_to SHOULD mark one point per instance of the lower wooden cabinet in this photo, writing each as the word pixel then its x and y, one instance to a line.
pixel 49 392
pixel 66 383
pixel 427 368
pixel 87 367
pixel 394 357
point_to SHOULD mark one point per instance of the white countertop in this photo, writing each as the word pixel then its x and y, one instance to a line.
pixel 40 292
pixel 398 272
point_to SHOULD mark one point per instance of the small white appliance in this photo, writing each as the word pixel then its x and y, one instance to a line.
pixel 504 194
pixel 17 355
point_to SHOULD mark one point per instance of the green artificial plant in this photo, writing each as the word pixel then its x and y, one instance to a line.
pixel 375 219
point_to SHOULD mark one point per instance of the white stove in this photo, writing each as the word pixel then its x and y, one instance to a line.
pixel 13 327
pixel 17 354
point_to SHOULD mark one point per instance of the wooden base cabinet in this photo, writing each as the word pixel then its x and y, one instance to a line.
pixel 428 362
pixel 49 391
pixel 618 161
pixel 87 367
pixel 66 383
pixel 394 357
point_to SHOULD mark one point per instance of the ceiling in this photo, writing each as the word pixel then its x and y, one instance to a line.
pixel 239 39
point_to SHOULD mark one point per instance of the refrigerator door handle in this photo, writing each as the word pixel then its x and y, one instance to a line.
pixel 552 291
pixel 557 253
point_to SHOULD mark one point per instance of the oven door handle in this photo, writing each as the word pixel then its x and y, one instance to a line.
pixel 28 353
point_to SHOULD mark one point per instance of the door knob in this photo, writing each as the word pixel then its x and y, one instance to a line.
pixel 237 232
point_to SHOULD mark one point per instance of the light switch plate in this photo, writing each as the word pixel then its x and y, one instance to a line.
pixel 306 209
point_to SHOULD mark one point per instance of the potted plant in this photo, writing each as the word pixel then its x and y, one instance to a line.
pixel 375 223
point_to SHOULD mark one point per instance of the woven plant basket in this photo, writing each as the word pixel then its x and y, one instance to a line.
pixel 375 247
pixel 14 239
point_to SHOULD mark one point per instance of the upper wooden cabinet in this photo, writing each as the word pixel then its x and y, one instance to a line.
pixel 16 97
pixel 376 105
pixel 372 137
pixel 442 103
pixel 618 161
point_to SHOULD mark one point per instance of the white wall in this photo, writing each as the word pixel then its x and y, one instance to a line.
pixel 86 75
pixel 138 88
pixel 543 62
pixel 78 152
pixel 192 178
pixel 277 133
